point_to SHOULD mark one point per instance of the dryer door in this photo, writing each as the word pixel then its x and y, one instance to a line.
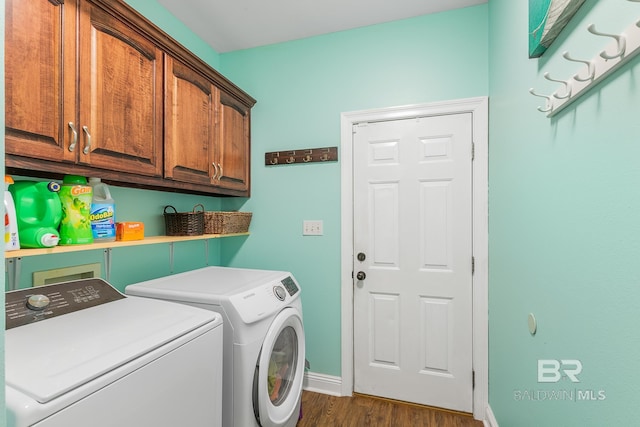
pixel 277 383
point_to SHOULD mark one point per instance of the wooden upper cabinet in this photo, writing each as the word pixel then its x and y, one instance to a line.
pixel 206 132
pixel 189 123
pixel 40 77
pixel 233 148
pixel 93 88
pixel 98 103
pixel 120 96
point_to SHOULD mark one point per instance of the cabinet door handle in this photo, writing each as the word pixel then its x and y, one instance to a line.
pixel 215 171
pixel 74 140
pixel 87 146
pixel 220 173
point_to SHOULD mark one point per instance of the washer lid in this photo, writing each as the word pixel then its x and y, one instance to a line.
pixel 49 358
pixel 209 285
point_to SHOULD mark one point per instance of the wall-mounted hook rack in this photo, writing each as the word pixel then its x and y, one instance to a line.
pixel 591 67
pixel 567 87
pixel 307 155
pixel 548 105
pixel 621 42
pixel 618 52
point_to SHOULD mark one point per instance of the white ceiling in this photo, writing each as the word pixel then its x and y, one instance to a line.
pixel 229 25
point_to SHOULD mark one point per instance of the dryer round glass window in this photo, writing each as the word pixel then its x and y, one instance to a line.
pixel 277 381
pixel 282 365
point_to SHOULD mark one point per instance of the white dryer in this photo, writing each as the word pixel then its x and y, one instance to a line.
pixel 81 353
pixel 264 351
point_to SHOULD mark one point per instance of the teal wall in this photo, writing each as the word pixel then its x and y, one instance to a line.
pixel 564 229
pixel 301 88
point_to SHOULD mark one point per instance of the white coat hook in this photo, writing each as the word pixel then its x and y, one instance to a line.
pixel 621 39
pixel 591 67
pixel 548 106
pixel 567 87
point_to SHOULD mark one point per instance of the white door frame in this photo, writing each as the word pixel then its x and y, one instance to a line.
pixel 479 109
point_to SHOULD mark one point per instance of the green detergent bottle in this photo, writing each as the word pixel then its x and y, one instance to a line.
pixel 38 212
pixel 75 197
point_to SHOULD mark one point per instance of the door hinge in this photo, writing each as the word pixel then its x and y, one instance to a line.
pixel 473 151
pixel 473 380
pixel 473 265
pixel 355 127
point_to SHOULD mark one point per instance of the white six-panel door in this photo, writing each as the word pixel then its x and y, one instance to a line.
pixel 412 191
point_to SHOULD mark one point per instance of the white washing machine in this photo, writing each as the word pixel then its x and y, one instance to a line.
pixel 264 352
pixel 81 353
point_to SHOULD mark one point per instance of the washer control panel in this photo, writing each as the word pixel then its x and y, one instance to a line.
pixel 44 302
pixel 263 301
pixel 38 302
pixel 290 285
pixel 279 292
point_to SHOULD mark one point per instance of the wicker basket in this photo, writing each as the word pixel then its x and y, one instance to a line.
pixel 226 222
pixel 184 223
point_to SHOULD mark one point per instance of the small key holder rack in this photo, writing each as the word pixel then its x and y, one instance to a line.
pixel 307 155
pixel 621 49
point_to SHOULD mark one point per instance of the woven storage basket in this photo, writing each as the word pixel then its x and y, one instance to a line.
pixel 184 223
pixel 226 222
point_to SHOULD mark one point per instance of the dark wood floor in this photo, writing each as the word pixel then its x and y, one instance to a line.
pixel 320 410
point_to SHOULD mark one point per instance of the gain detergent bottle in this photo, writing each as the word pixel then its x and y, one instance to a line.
pixel 75 197
pixel 38 212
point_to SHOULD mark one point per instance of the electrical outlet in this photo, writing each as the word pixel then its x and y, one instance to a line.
pixel 312 227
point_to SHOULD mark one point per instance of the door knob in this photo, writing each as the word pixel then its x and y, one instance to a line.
pixel 361 275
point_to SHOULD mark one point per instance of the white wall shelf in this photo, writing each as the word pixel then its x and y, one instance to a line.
pixel 13 259
pixel 154 240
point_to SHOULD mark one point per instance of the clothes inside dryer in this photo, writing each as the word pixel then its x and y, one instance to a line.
pixel 282 365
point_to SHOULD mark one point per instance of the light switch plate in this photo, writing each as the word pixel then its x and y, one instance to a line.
pixel 312 227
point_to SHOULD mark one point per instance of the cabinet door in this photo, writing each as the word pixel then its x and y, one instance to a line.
pixel 233 155
pixel 39 96
pixel 120 94
pixel 189 124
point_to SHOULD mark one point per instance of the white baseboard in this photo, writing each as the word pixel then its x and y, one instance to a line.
pixel 321 383
pixel 490 419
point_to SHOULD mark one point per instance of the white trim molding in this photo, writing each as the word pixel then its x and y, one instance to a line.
pixel 479 108
pixel 490 419
pixel 321 383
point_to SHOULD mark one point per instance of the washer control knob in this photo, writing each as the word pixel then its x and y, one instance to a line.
pixel 279 292
pixel 38 302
